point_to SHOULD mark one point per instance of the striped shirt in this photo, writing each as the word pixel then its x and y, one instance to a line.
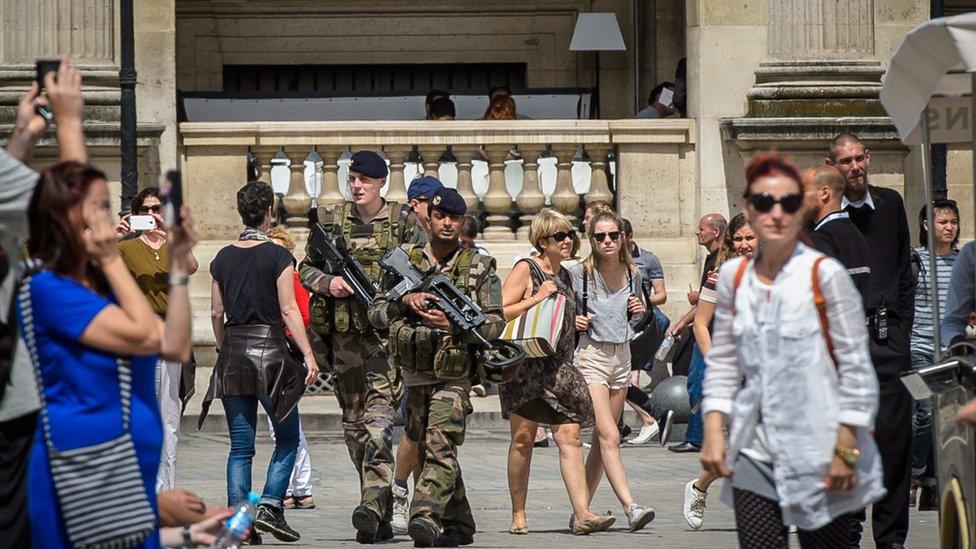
pixel 922 328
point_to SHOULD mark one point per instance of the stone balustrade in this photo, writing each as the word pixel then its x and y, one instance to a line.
pixel 654 179
pixel 511 169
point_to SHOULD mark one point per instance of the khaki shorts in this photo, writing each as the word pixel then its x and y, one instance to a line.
pixel 604 363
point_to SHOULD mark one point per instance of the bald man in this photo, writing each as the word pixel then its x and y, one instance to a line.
pixel 879 215
pixel 831 229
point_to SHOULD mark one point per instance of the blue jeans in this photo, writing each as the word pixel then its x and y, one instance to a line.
pixel 696 379
pixel 922 436
pixel 242 412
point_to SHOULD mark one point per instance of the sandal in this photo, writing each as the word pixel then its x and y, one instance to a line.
pixel 520 531
pixel 304 502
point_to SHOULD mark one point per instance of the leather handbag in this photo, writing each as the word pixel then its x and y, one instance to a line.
pixel 537 330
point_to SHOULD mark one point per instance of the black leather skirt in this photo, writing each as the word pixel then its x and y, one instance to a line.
pixel 254 360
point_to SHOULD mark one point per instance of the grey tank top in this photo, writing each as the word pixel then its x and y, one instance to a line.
pixel 609 323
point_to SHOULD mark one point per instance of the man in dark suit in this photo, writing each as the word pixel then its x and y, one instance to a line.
pixel 831 230
pixel 879 214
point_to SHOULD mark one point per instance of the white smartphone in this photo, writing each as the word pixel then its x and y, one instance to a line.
pixel 142 222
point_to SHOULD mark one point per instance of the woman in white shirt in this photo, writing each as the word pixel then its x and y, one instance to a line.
pixel 796 386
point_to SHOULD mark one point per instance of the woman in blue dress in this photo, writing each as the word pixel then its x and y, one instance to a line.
pixel 85 313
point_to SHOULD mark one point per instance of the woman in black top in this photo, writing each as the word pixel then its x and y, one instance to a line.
pixel 253 290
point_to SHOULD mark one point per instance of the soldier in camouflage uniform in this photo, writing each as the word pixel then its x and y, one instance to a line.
pixel 438 362
pixel 366 384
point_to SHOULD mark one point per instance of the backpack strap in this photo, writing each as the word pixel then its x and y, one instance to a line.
pixel 821 304
pixel 739 273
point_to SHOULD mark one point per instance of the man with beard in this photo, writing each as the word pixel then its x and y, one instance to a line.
pixel 438 361
pixel 879 214
pixel 831 229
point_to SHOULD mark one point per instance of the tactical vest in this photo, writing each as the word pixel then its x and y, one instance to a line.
pixel 367 243
pixel 421 349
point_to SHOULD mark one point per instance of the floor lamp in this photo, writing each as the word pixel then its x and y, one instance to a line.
pixel 597 32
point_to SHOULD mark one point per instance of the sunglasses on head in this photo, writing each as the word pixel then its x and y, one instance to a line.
pixel 763 202
pixel 600 237
pixel 563 235
pixel 154 209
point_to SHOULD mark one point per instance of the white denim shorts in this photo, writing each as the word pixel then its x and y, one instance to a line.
pixel 605 363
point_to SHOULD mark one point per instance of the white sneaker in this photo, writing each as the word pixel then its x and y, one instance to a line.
pixel 479 390
pixel 694 506
pixel 401 510
pixel 647 432
pixel 638 517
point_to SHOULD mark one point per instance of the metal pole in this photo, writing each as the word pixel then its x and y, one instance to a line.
pixel 127 84
pixel 933 262
pixel 637 47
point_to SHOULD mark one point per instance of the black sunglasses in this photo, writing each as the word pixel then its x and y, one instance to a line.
pixel 600 237
pixel 763 202
pixel 154 209
pixel 563 235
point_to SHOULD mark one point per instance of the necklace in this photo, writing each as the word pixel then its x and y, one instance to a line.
pixel 155 251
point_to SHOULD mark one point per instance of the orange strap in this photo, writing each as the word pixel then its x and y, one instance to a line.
pixel 818 301
pixel 821 304
pixel 739 273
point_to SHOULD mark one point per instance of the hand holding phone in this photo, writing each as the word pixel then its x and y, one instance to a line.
pixel 45 66
pixel 142 222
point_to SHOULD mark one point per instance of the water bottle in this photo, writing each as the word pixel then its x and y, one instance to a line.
pixel 237 525
pixel 662 351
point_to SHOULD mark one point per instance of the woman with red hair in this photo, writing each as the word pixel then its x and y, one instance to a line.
pixel 789 371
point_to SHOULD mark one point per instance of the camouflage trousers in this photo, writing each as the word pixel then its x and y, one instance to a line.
pixel 436 416
pixel 368 388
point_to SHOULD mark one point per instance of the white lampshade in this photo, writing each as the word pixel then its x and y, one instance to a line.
pixel 597 32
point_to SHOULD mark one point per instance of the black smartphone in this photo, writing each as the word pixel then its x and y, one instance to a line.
pixel 45 66
pixel 172 195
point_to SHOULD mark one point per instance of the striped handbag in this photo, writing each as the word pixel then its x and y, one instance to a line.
pixel 537 330
pixel 99 488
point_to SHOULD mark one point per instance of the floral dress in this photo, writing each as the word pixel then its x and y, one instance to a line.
pixel 551 390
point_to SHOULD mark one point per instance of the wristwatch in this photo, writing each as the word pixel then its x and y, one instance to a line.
pixel 188 538
pixel 849 455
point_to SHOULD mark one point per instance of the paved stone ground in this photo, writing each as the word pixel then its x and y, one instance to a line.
pixel 656 478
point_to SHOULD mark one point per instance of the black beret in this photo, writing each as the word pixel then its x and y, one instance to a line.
pixel 369 164
pixel 448 201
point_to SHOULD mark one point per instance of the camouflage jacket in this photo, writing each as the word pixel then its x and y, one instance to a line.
pixel 367 242
pixel 473 274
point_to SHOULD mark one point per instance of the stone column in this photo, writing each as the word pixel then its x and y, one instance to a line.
pixel 820 61
pixel 329 194
pixel 264 164
pixel 497 200
pixel 564 197
pixel 398 187
pixel 297 201
pixel 81 29
pixel 599 186
pixel 530 200
pixel 465 186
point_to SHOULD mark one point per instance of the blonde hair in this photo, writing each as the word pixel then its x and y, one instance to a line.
pixel 282 234
pixel 599 206
pixel 623 254
pixel 545 224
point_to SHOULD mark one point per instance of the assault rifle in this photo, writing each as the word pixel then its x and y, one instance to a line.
pixel 341 261
pixel 499 360
pixel 458 307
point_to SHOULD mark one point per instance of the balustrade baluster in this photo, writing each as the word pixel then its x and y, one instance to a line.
pixel 497 200
pixel 397 191
pixel 297 201
pixel 530 200
pixel 599 186
pixel 329 194
pixel 564 197
pixel 465 187
pixel 431 155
